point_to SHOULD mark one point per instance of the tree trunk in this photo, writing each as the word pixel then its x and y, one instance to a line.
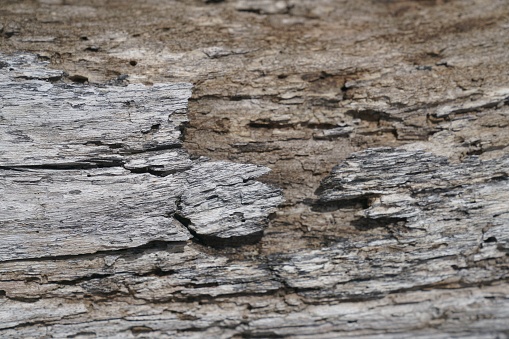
pixel 384 124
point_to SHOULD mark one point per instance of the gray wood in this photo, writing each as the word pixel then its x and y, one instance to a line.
pixel 406 237
pixel 86 223
pixel 431 222
pixel 88 169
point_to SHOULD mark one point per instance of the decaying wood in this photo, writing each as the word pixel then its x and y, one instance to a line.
pixel 73 158
pixel 406 237
pixel 441 223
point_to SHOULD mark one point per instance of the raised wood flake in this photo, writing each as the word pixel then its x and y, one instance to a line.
pixel 87 169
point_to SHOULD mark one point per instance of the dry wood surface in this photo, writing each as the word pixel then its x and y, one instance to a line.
pixel 254 169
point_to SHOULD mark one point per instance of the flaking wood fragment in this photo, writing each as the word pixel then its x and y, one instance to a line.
pixel 87 169
pixel 427 222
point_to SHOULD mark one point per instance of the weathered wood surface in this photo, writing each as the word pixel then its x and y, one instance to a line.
pixel 73 158
pixel 408 240
pixel 440 223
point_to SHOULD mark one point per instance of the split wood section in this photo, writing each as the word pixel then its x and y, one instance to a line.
pixel 88 169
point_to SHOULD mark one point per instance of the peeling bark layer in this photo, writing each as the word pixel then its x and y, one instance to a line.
pixel 406 237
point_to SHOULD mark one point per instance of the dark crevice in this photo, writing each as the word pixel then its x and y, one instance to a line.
pixel 155 245
pixel 88 164
pixel 331 206
pixel 184 221
pixel 82 279
pixel 153 170
pixel 320 125
pixel 214 97
pixel 27 324
pixel 260 334
pixel 366 224
pixel 140 329
pixel 237 241
pixel 93 49
pixel 158 271
pixel 102 163
pixel 317 102
pixel 25 299
pixel 478 151
pixel 82 334
pixel 250 10
pixel 80 79
pixel 371 115
pixel 100 143
pixel 499 177
pixel 346 298
pixel 153 148
pixel 269 124
pixel 182 128
pixel 50 79
pixel 202 285
pixel 9 168
pixel 488 105
pixel 238 97
pixel 324 102
pixel 260 11
pixel 153 128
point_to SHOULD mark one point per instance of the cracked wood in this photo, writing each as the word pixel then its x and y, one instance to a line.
pixel 88 169
pixel 299 86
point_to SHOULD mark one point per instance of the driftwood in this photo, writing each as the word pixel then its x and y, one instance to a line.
pixel 88 169
pixel 384 123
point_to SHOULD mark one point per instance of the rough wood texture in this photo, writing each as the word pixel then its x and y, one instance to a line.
pixel 73 158
pixel 439 223
pixel 300 87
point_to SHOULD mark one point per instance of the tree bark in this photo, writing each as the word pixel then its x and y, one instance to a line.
pixel 383 122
